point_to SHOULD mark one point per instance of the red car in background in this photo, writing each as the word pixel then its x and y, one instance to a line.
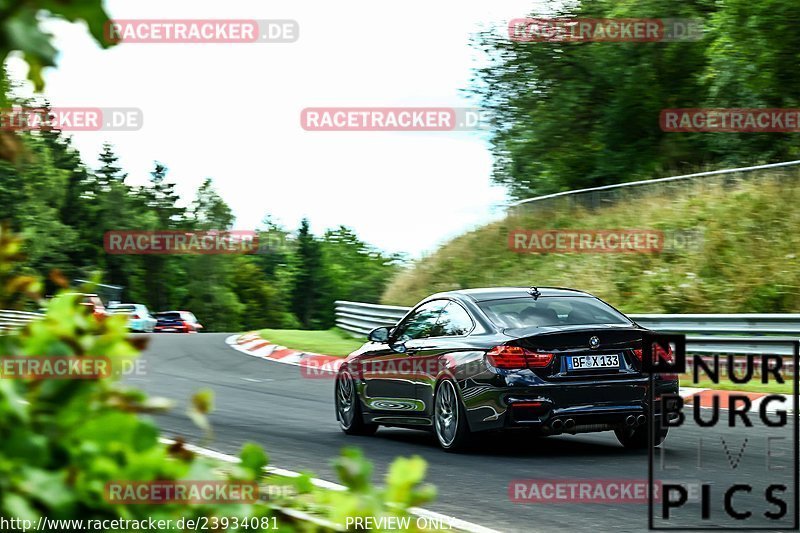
pixel 93 302
pixel 177 322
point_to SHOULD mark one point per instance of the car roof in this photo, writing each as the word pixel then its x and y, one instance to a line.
pixel 497 293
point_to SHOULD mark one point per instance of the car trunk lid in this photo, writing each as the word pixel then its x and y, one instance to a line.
pixel 583 351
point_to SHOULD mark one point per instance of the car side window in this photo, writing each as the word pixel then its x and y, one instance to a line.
pixel 421 322
pixel 453 321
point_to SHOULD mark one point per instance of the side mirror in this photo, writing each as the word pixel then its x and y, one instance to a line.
pixel 379 334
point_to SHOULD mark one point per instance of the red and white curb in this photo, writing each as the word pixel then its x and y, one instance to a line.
pixel 252 344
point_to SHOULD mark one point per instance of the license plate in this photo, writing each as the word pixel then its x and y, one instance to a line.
pixel 590 362
pixel 168 329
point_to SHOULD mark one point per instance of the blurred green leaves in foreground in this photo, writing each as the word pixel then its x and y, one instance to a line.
pixel 22 30
pixel 61 441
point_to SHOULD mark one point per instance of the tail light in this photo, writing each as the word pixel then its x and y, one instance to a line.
pixel 135 317
pixel 658 352
pixel 511 357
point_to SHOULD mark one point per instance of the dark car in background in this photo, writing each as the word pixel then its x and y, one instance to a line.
pixel 176 322
pixel 552 360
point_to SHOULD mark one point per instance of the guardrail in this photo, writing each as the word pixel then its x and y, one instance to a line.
pixel 359 318
pixel 736 334
pixel 13 319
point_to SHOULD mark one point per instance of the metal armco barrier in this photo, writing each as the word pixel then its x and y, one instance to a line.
pixel 737 334
pixel 14 319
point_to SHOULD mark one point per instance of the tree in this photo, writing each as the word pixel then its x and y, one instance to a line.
pixel 162 198
pixel 357 271
pixel 162 273
pixel 264 304
pixel 76 205
pixel 209 210
pixel 310 283
pixel 581 114
pixel 112 211
pixel 209 278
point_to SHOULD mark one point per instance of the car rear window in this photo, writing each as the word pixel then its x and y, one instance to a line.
pixel 122 309
pixel 169 316
pixel 550 311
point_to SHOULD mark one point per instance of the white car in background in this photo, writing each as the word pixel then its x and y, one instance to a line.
pixel 139 317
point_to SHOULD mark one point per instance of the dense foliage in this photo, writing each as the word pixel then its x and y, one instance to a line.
pixel 63 208
pixel 574 115
pixel 63 440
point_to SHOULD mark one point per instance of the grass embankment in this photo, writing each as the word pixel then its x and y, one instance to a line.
pixel 327 342
pixel 746 261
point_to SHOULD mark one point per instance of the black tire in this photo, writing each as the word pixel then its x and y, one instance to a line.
pixel 449 418
pixel 636 439
pixel 348 407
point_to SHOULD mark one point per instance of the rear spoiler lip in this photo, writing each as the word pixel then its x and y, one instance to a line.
pixel 533 331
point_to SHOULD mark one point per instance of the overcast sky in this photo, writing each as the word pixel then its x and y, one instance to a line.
pixel 232 112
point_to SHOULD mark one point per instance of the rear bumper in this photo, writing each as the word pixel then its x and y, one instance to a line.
pixel 593 405
pixel 176 329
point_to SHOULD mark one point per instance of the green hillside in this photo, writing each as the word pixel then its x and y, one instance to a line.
pixel 745 261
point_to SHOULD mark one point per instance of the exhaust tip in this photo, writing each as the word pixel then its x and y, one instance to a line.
pixel 557 424
pixel 641 419
pixel 569 423
pixel 630 420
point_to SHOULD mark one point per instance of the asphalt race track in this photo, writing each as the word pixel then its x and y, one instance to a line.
pixel 293 418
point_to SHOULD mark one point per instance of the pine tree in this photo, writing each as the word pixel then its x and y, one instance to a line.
pixel 114 211
pixel 310 281
pixel 163 199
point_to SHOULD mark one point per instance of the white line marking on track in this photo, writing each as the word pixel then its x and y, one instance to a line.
pixel 457 523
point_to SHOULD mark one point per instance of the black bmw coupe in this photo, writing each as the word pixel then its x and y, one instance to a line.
pixel 549 359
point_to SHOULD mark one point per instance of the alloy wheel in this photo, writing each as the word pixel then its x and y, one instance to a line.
pixel 446 413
